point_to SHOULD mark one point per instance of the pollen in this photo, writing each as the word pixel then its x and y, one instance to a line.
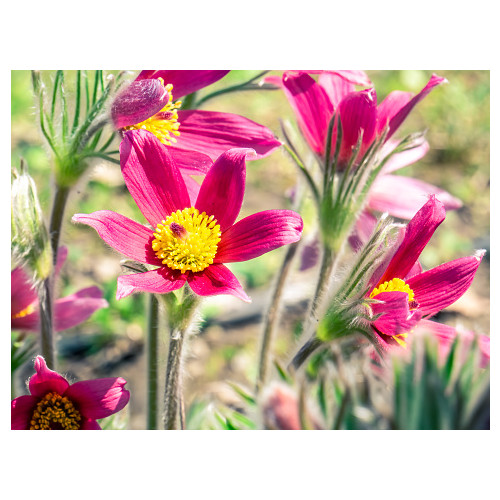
pixel 395 285
pixel 55 412
pixel 24 312
pixel 187 240
pixel 164 124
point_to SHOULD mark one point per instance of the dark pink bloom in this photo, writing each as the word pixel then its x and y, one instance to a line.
pixel 55 404
pixel 187 242
pixel 151 102
pixel 68 311
pixel 409 295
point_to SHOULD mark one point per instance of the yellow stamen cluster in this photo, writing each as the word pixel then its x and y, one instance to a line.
pixel 395 285
pixel 24 312
pixel 187 240
pixel 55 412
pixel 163 124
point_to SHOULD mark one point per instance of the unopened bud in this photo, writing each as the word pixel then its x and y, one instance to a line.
pixel 30 238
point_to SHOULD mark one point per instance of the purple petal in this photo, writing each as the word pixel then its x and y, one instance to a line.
pixel 99 398
pixel 77 308
pixel 397 119
pixel 90 425
pixel 310 254
pixel 396 316
pixel 21 411
pixel 212 133
pixel 28 323
pixel 184 81
pixel 417 234
pixel 358 112
pixel 363 229
pixel 222 190
pixel 442 286
pixel 217 279
pixel 137 102
pixel 151 176
pixel 123 234
pixel 161 280
pixel 311 106
pixel 46 380
pixel 258 234
pixel 403 196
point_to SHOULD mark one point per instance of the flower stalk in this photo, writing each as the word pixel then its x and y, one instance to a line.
pixel 152 356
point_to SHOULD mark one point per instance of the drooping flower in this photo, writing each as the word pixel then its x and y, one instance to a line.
pixel 406 295
pixel 187 242
pixel 68 311
pixel 151 102
pixel 55 404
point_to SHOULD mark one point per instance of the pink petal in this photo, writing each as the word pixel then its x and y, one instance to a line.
pixel 215 280
pixel 358 111
pixel 222 190
pixel 363 229
pixel 161 280
pixel 442 286
pixel 190 162
pixel 357 77
pixel 99 398
pixel 28 323
pixel 335 87
pixel 137 102
pixel 396 316
pixel 403 159
pixel 258 234
pixel 22 293
pixel 62 255
pixel 193 188
pixel 390 107
pixel 212 133
pixel 417 234
pixel 90 425
pixel 311 106
pixel 184 81
pixel 21 411
pixel 403 196
pixel 46 380
pixel 397 119
pixel 151 176
pixel 77 308
pixel 123 234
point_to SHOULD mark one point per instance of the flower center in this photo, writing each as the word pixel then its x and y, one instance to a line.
pixel 24 312
pixel 395 285
pixel 187 240
pixel 163 124
pixel 55 412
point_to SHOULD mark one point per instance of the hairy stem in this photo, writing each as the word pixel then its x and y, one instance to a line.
pixel 152 350
pixel 271 318
pixel 46 323
pixel 56 218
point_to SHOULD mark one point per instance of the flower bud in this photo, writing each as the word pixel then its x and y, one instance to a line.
pixel 30 238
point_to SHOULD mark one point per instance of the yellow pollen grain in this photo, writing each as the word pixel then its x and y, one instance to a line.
pixel 55 412
pixel 164 124
pixel 195 248
pixel 24 312
pixel 395 285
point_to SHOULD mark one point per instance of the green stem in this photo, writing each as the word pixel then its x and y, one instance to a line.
pixel 180 318
pixel 271 318
pixel 304 352
pixel 46 323
pixel 56 217
pixel 152 356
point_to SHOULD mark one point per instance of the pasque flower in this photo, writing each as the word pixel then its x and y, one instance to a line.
pixel 405 294
pixel 187 242
pixel 152 102
pixel 68 311
pixel 55 404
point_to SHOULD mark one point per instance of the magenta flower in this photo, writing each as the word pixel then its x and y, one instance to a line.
pixel 55 404
pixel 406 294
pixel 68 311
pixel 187 242
pixel 151 102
